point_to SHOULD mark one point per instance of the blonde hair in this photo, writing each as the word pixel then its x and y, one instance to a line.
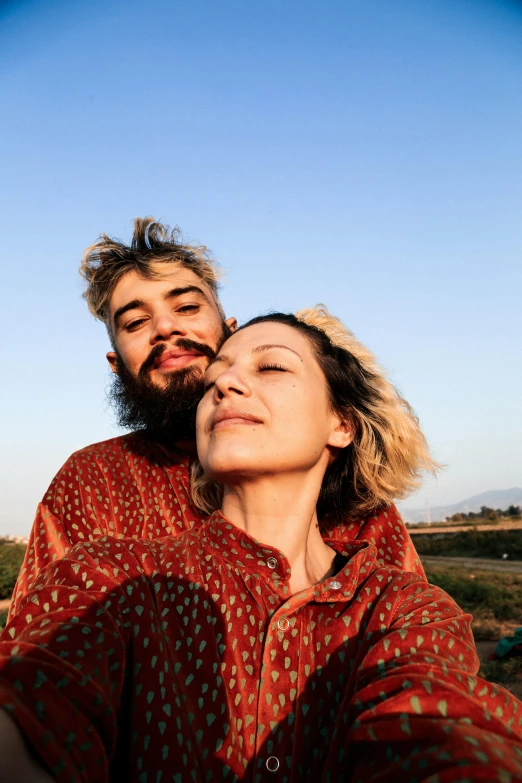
pixel 106 261
pixel 389 451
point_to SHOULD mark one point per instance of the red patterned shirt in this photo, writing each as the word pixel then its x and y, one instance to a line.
pixel 187 659
pixel 134 488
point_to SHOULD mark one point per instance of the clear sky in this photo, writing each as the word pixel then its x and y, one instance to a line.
pixel 367 155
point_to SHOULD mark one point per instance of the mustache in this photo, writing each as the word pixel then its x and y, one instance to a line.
pixel 183 343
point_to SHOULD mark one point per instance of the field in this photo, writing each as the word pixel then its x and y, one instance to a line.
pixel 495 601
pixel 471 543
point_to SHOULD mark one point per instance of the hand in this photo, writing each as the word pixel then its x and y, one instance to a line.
pixel 17 764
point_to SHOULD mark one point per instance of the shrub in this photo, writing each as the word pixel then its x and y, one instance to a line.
pixel 11 559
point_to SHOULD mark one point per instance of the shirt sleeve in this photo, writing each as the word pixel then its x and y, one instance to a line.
pixel 62 692
pixel 419 706
pixel 73 510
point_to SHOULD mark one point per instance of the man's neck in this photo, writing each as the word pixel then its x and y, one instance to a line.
pixel 188 447
pixel 280 511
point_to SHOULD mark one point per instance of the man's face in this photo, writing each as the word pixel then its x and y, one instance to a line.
pixel 166 330
pixel 149 316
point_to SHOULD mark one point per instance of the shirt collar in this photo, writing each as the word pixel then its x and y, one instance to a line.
pixel 242 551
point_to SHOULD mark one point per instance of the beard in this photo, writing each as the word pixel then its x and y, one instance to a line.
pixel 165 413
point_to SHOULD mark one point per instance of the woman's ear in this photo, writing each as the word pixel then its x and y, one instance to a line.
pixel 342 435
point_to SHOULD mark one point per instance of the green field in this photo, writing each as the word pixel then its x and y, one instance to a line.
pixel 11 558
pixel 495 601
pixel 471 543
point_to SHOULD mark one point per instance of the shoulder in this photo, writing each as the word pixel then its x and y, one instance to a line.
pixel 125 450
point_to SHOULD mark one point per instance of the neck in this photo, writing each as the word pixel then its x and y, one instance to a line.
pixel 280 511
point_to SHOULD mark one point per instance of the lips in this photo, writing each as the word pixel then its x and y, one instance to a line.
pixel 175 357
pixel 232 417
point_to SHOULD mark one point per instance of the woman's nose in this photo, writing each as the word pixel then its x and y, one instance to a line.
pixel 231 382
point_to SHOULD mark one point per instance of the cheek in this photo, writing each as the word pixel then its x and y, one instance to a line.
pixel 133 352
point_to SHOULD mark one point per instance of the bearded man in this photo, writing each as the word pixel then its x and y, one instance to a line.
pixel 158 299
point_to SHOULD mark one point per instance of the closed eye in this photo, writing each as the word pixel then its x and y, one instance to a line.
pixel 275 367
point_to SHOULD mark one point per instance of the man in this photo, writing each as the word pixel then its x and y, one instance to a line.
pixel 158 299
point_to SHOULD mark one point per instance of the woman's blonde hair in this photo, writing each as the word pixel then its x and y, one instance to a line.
pixel 389 451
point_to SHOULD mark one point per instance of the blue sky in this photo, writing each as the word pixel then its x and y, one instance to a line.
pixel 366 155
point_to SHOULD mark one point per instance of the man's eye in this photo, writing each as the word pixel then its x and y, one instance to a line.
pixel 188 309
pixel 134 324
pixel 267 367
pixel 208 385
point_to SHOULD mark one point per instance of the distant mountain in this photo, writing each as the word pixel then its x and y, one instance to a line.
pixel 495 498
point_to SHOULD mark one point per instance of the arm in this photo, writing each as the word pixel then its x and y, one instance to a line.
pixel 63 663
pixel 73 510
pixel 17 765
pixel 418 705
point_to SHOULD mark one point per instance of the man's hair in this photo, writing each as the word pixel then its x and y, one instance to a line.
pixel 106 261
pixel 389 451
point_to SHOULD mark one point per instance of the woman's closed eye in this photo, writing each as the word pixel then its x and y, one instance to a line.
pixel 272 366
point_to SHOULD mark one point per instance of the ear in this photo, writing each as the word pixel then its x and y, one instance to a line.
pixel 112 359
pixel 342 435
pixel 231 323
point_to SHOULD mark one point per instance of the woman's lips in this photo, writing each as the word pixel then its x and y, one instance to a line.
pixel 237 421
pixel 233 418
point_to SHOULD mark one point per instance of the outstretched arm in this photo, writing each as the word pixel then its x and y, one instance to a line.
pixel 63 664
pixel 419 707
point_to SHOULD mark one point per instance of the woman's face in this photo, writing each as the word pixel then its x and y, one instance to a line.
pixel 266 407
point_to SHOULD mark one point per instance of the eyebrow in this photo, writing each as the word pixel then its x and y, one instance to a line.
pixel 172 294
pixel 260 349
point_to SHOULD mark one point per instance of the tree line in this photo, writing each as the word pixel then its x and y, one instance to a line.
pixel 491 514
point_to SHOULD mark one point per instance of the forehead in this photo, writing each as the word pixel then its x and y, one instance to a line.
pixel 133 286
pixel 267 333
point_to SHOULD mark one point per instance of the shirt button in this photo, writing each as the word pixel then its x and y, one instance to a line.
pixel 271 563
pixel 272 764
pixel 283 624
pixel 335 585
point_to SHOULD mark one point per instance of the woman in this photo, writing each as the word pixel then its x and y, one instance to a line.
pixel 254 648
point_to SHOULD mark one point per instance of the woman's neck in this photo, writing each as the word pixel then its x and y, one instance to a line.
pixel 280 511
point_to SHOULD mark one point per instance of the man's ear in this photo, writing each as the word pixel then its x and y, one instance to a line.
pixel 231 323
pixel 342 435
pixel 113 361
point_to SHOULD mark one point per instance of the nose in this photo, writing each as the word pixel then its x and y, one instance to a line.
pixel 166 324
pixel 230 383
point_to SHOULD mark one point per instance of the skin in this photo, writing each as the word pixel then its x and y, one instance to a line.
pixel 266 430
pixel 17 765
pixel 157 316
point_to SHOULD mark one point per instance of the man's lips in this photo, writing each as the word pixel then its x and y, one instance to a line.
pixel 233 417
pixel 175 358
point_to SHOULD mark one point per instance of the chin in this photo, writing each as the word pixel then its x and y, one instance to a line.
pixel 220 466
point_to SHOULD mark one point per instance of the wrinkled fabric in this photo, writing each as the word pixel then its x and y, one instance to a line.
pixel 187 659
pixel 133 487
